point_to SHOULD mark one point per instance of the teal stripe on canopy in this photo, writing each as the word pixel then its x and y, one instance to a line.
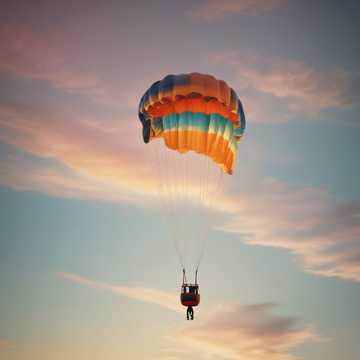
pixel 188 121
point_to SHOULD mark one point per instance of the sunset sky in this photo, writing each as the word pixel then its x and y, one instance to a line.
pixel 88 272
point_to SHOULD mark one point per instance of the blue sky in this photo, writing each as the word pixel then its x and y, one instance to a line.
pixel 87 267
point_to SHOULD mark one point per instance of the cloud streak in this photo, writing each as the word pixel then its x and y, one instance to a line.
pixel 322 232
pixel 305 89
pixel 211 10
pixel 148 295
pixel 55 179
pixel 51 56
pixel 105 156
pixel 104 153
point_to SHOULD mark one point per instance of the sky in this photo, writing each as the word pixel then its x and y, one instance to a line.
pixel 87 267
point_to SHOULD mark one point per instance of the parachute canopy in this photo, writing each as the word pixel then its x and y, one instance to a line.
pixel 201 121
pixel 194 112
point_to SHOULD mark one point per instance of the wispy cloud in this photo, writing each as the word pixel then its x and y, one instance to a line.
pixel 55 179
pixel 305 89
pixel 251 332
pixel 149 295
pixel 105 151
pixel 105 160
pixel 103 157
pixel 322 232
pixel 47 56
pixel 211 10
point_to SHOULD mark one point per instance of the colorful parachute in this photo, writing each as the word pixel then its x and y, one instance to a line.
pixel 194 112
pixel 201 121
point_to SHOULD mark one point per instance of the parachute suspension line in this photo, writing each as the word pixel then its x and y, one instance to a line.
pixel 184 280
pixel 197 206
pixel 187 191
pixel 184 277
pixel 218 186
pixel 159 176
pixel 215 187
pixel 171 176
pixel 180 201
pixel 162 189
pixel 202 233
pixel 165 192
pixel 177 187
pixel 173 185
pixel 178 191
pixel 211 170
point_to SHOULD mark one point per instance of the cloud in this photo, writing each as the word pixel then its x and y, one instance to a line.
pixel 213 10
pixel 4 344
pixel 93 157
pixel 229 331
pixel 296 86
pixel 153 296
pixel 250 332
pixel 51 56
pixel 101 152
pixel 77 155
pixel 55 179
pixel 322 232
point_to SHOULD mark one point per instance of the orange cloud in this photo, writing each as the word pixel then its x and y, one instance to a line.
pixel 249 332
pixel 305 89
pixel 106 158
pixel 54 179
pixel 106 152
pixel 4 344
pixel 153 296
pixel 212 10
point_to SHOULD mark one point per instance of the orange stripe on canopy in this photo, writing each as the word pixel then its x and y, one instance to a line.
pixel 196 105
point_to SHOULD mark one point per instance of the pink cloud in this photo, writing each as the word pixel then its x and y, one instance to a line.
pixel 54 179
pixel 303 88
pixel 106 152
pixel 212 10
pixel 250 332
pixel 106 158
pixel 4 344
pixel 53 57
pixel 153 296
